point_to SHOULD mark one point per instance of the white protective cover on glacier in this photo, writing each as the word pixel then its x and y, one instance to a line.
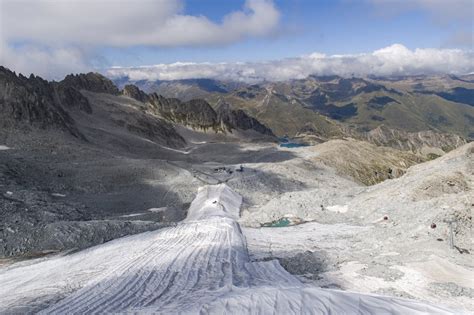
pixel 201 266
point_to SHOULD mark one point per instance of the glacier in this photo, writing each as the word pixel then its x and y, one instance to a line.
pixel 199 266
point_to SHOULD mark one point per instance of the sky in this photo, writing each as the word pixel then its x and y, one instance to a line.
pixel 248 40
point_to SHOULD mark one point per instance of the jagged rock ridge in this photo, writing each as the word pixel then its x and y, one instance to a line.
pixel 34 102
pixel 198 113
pixel 91 81
pixel 239 118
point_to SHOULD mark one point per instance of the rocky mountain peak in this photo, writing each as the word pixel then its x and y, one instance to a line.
pixel 194 113
pixel 198 113
pixel 134 92
pixel 239 119
pixel 92 81
pixel 34 102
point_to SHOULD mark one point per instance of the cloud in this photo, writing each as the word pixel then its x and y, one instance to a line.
pixel 45 31
pixel 126 23
pixel 46 62
pixel 393 60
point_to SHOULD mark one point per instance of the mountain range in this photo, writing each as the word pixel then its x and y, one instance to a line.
pixel 327 105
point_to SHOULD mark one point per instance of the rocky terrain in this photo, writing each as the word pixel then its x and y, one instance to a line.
pixel 426 144
pixel 81 156
pixel 30 102
pixel 366 163
pixel 390 238
pixel 422 142
pixel 197 113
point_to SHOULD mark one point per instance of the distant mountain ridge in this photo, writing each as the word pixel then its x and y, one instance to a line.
pixel 314 109
pixel 439 103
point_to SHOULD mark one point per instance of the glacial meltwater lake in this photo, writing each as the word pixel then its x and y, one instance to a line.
pixel 286 142
pixel 278 223
pixel 293 145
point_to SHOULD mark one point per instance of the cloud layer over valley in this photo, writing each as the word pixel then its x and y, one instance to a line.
pixel 393 60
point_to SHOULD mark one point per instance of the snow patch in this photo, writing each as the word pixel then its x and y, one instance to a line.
pixel 390 254
pixel 338 208
pixel 162 209
pixel 132 215
pixel 58 195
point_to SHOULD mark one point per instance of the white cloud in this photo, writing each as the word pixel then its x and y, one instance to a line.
pixel 392 60
pixel 53 29
pixel 46 62
pixel 125 22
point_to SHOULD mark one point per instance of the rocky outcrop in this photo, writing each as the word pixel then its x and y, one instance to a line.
pixel 238 119
pixel 197 113
pixel 91 81
pixel 423 142
pixel 429 143
pixel 365 162
pixel 155 129
pixel 34 102
pixel 32 223
pixel 72 98
pixel 134 92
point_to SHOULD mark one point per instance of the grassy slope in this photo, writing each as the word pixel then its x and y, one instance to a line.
pixel 415 112
pixel 282 116
pixel 280 106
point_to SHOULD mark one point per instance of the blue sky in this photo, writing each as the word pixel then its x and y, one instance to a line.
pixel 56 37
pixel 327 26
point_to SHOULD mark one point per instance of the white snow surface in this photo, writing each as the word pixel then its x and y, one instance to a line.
pixel 338 208
pixel 201 266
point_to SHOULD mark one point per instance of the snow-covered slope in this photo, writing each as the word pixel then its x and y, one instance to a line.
pixel 200 266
